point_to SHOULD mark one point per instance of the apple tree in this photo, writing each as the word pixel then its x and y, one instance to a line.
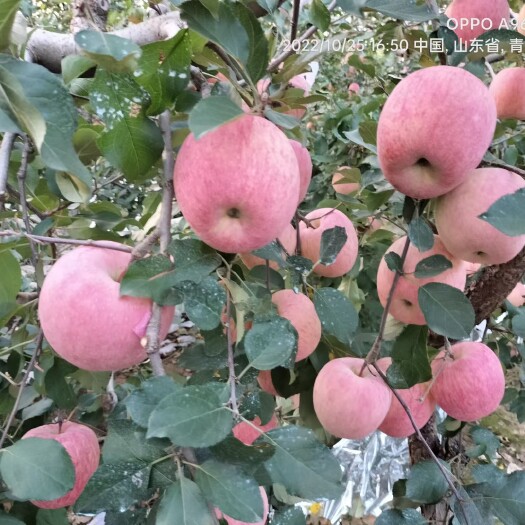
pixel 233 233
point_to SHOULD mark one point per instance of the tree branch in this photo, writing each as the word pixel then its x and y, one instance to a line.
pixel 48 48
pixel 164 230
pixel 295 19
pixel 5 154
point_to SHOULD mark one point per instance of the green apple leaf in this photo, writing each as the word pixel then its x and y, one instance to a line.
pixel 142 401
pixel 401 517
pixel 432 266
pixel 36 468
pixel 111 52
pixel 271 343
pixel 394 262
pixel 114 487
pixel 337 314
pixel 410 363
pixel 420 234
pixel 319 15
pixel 289 516
pixel 332 242
pixel 8 9
pixel 447 310
pixel 426 484
pixel 231 490
pixel 204 302
pixel 410 10
pixel 50 517
pixel 507 214
pixel 302 464
pixel 212 112
pixel 11 277
pixel 183 503
pixel 194 416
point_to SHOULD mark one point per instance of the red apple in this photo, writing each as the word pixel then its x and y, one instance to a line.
pixel 238 185
pixel 353 89
pixel 81 443
pixel 422 151
pixel 508 90
pixel 471 18
pixel 231 521
pixel 84 317
pixel 405 304
pixel 349 405
pixel 305 167
pixel 467 236
pixel 288 239
pixel 517 296
pixel 300 311
pixel 470 383
pixel 319 221
pixel 265 382
pixel 418 400
pixel 247 434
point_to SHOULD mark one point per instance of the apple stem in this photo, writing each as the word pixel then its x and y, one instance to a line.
pixel 449 477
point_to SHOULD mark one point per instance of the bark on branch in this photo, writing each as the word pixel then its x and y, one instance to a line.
pixel 48 49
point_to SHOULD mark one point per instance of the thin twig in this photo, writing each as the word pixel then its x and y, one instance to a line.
pixel 5 154
pixel 442 469
pixel 231 361
pixel 144 246
pixel 279 59
pixel 501 164
pixel 109 245
pixel 375 351
pixel 164 231
pixel 295 19
pixel 21 176
pixel 25 380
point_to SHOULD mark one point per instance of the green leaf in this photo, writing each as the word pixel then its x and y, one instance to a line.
pixel 222 28
pixel 231 490
pixel 194 416
pixel 355 137
pixel 303 465
pixel 183 503
pixel 271 343
pixel 133 145
pixel 273 252
pixel 426 483
pixel 59 389
pixel 6 519
pixel 210 113
pixel 142 401
pixel 114 487
pixel 319 15
pixel 432 266
pixel 401 517
pixel 411 10
pixel 11 277
pixel 8 9
pixel 194 260
pixel 420 234
pixel 35 468
pixel 394 262
pixel 281 119
pixel 507 214
pixel 337 314
pixel 504 496
pixel 332 242
pixel 289 516
pixel 487 443
pixel 518 325
pixel 233 451
pixel 368 131
pixel 143 278
pixel 410 364
pixel 126 441
pixel 50 517
pixel 73 66
pixel 46 94
pixel 111 52
pixel 204 303
pixel 447 311
pixel 164 70
pixel 257 61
